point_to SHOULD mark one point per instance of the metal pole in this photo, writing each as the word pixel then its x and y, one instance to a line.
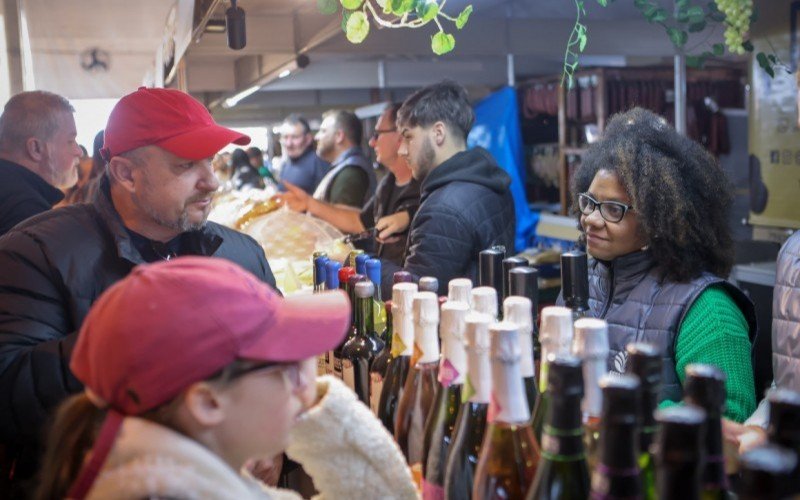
pixel 680 88
pixel 512 79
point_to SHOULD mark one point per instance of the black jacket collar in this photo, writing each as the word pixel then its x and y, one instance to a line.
pixel 50 194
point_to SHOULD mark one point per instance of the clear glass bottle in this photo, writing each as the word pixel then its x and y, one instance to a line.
pixel 556 337
pixel 590 344
pixel 518 310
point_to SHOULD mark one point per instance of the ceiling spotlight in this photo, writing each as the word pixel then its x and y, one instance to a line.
pixel 215 26
pixel 234 20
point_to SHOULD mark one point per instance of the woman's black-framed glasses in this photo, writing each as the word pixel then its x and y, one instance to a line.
pixel 611 211
pixel 377 133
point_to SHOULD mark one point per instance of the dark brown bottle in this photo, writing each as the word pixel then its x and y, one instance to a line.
pixel 524 282
pixel 510 263
pixel 420 387
pixel 784 428
pixel 704 386
pixel 490 269
pixel 575 282
pixel 401 350
pixel 679 452
pixel 617 474
pixel 767 473
pixel 644 361
pixel 362 348
pixel 471 420
pixel 442 418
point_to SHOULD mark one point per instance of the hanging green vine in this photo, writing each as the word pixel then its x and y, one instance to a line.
pixel 356 16
pixel 688 17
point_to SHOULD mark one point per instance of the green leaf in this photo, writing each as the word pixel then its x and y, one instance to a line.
pixel 462 18
pixel 748 46
pixel 659 16
pixel 400 7
pixel 603 3
pixel 357 27
pixel 718 49
pixel 351 4
pixel 695 11
pixel 427 11
pixel 697 27
pixel 754 15
pixel 695 61
pixel 681 4
pixel 712 7
pixel 327 7
pixel 763 61
pixel 345 17
pixel 442 43
pixel 678 37
pixel 582 42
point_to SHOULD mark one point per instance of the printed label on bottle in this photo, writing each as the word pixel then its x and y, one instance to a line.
pixel 447 372
pixel 375 388
pixel 468 391
pixel 321 364
pixel 349 374
pixel 417 354
pixel 416 475
pixel 494 408
pixel 398 346
pixel 431 491
pixel 329 363
pixel 337 368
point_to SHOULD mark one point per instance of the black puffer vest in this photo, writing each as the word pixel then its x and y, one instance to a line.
pixel 641 307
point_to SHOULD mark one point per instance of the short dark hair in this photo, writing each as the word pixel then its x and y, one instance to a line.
pixel 31 114
pixel 679 193
pixel 445 102
pixel 295 119
pixel 347 122
pixel 254 152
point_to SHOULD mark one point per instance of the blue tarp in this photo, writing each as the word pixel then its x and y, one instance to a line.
pixel 497 129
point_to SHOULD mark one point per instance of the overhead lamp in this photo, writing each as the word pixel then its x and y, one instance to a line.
pixel 234 21
pixel 281 72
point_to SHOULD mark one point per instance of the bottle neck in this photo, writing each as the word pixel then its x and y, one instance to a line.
pixel 363 315
pixel 714 477
pixel 426 341
pixel 403 334
pixel 526 352
pixel 679 480
pixel 478 380
pixel 453 365
pixel 619 449
pixel 593 370
pixel 562 435
pixel 508 402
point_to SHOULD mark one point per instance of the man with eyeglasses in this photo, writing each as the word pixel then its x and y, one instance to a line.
pixel 389 211
pixel 301 166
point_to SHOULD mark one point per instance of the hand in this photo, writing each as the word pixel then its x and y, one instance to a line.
pixel 742 437
pixel 267 471
pixel 392 224
pixel 295 198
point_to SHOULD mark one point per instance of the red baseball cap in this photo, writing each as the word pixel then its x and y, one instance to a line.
pixel 169 119
pixel 170 324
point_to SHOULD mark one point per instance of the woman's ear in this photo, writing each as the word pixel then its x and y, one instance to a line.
pixel 205 404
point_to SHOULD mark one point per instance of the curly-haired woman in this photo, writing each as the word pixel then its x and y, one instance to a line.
pixel 653 206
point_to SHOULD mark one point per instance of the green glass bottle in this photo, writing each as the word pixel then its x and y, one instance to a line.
pixel 644 361
pixel 360 351
pixel 442 419
pixel 556 337
pixel 510 453
pixel 617 474
pixel 590 344
pixel 704 386
pixel 563 473
pixel 471 421
pixel 679 450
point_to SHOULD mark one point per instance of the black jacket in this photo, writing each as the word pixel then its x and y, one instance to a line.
pixel 52 268
pixel 465 207
pixel 23 194
pixel 390 199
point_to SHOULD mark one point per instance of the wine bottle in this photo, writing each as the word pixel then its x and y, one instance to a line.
pixel 442 418
pixel 510 453
pixel 524 282
pixel 380 365
pixel 484 301
pixel 590 344
pixel 617 474
pixel 704 386
pixel 332 269
pixel 347 282
pixel 575 282
pixel 562 473
pixel 471 420
pixel 382 327
pixel 679 452
pixel 429 284
pixel 556 337
pixel 361 263
pixel 509 264
pixel 490 269
pixel 784 426
pixel 402 348
pixel 359 352
pixel 320 260
pixel 644 361
pixel 459 289
pixel 418 392
pixel 767 473
pixel 517 310
pixel 351 258
pixel 373 267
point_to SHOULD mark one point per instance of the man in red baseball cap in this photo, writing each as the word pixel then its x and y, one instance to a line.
pixel 194 369
pixel 152 205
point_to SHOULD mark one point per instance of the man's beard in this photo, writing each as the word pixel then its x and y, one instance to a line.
pixel 182 223
pixel 425 159
pixel 61 179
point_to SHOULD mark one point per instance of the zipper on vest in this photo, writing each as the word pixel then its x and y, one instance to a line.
pixel 610 297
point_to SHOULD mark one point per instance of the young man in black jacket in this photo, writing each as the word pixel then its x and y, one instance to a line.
pixel 465 203
pixel 152 205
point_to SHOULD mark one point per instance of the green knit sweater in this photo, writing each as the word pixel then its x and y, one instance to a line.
pixel 715 332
